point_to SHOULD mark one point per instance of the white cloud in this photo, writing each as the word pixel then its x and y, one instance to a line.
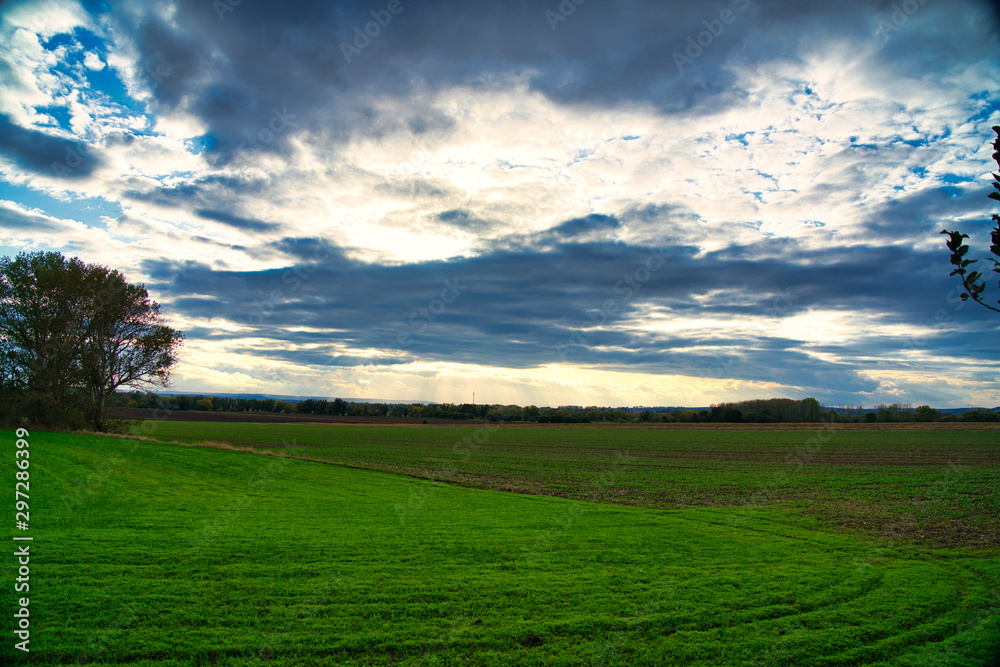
pixel 47 17
pixel 92 61
pixel 815 149
pixel 781 161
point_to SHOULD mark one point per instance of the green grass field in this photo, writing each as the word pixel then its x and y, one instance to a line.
pixel 932 485
pixel 153 554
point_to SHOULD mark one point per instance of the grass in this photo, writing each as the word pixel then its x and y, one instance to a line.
pixel 152 554
pixel 934 485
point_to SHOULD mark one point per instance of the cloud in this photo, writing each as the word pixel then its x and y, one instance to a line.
pixel 44 153
pixel 16 219
pixel 463 220
pixel 582 226
pixel 244 224
pixel 605 56
pixel 721 198
pixel 596 304
pixel 416 188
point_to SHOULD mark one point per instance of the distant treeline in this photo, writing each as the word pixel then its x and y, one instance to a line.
pixel 776 410
pixel 762 411
pixel 772 410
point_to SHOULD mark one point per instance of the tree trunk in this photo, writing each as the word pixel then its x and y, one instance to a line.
pixel 98 414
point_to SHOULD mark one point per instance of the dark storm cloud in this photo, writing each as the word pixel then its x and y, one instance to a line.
pixel 313 250
pixel 205 198
pixel 243 224
pixel 529 308
pixel 237 69
pixel 176 196
pixel 432 121
pixel 14 220
pixel 46 154
pixel 177 52
pixel 916 215
pixel 259 75
pixel 582 226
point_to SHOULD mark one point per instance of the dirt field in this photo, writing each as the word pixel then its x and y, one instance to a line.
pixel 143 414
pixel 293 418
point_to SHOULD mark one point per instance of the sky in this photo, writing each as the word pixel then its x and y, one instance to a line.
pixel 575 202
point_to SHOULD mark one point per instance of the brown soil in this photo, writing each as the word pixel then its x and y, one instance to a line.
pixel 294 418
pixel 142 414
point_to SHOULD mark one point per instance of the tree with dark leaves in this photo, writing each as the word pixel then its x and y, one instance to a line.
pixel 71 334
pixel 126 343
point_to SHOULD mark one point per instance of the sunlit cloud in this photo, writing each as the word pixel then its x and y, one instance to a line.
pixel 299 214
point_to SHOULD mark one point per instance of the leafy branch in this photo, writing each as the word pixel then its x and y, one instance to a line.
pixel 972 281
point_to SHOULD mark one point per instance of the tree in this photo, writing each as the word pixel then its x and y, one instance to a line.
pixel 126 343
pixel 75 333
pixel 972 281
pixel 980 415
pixel 41 302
